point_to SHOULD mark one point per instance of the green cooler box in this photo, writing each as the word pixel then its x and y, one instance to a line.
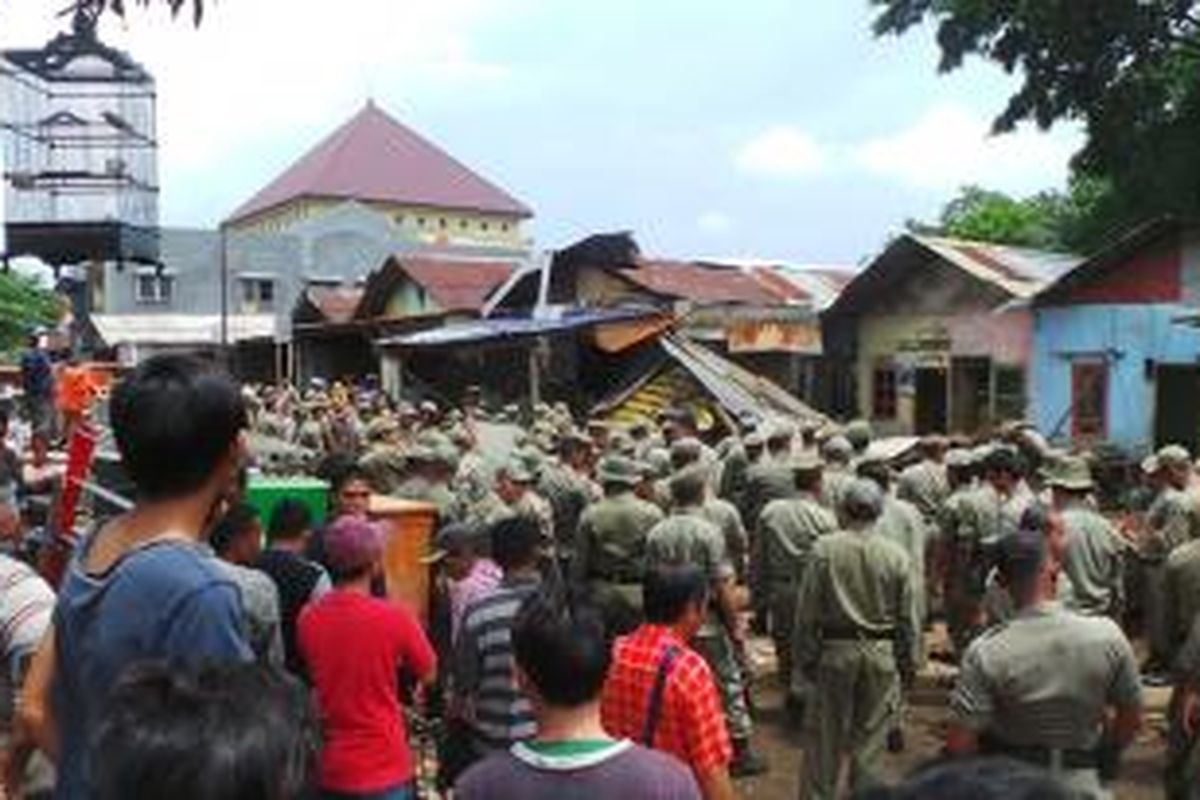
pixel 265 491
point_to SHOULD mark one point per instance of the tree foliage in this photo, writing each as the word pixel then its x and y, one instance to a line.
pixel 1070 221
pixel 24 304
pixel 118 7
pixel 1129 70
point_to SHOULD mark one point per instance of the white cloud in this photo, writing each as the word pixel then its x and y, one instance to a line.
pixel 260 72
pixel 782 151
pixel 949 146
pixel 714 223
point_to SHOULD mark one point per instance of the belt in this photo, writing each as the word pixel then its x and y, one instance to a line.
pixel 1049 757
pixel 857 634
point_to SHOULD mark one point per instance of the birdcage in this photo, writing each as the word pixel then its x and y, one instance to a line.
pixel 80 153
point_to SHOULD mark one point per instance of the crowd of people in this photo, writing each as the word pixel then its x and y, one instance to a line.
pixel 595 589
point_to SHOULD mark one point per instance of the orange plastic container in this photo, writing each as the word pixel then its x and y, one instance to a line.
pixel 409 528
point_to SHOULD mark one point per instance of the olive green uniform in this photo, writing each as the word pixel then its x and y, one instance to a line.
pixel 925 486
pixel 770 479
pixel 1093 562
pixel 787 532
pixel 1173 520
pixel 610 547
pixel 1041 684
pixel 855 639
pixel 1182 774
pixel 901 522
pixel 833 488
pixel 686 537
pixel 984 516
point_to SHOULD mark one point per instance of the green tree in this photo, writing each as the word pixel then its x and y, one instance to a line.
pixel 23 305
pixel 1068 221
pixel 1129 70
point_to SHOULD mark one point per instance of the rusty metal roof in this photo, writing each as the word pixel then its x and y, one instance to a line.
pixel 684 280
pixel 372 157
pixel 335 304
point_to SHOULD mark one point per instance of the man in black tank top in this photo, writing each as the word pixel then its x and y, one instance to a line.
pixel 298 579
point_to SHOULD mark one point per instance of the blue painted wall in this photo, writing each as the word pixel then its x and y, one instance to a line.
pixel 1130 334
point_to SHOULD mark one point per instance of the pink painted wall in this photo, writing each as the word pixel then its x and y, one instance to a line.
pixel 1006 337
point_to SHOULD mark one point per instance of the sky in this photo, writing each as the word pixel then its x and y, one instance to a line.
pixel 773 129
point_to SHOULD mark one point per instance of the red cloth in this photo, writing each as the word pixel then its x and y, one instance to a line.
pixel 692 724
pixel 353 646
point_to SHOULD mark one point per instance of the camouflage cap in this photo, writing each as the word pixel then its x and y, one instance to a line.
pixel 779 430
pixel 1071 473
pixel 687 450
pixel 518 471
pixel 960 459
pixel 807 461
pixel 1174 457
pixel 859 434
pixel 837 448
pixel 618 469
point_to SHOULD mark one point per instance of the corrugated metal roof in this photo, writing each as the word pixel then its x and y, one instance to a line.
pixel 457 285
pixel 180 329
pixel 685 280
pixel 737 390
pixel 1022 272
pixel 496 328
pixel 373 157
pixel 336 304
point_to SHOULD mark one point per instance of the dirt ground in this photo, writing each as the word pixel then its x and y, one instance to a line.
pixel 924 725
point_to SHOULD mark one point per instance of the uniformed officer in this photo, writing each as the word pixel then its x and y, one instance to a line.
pixel 771 478
pixel 859 435
pixel 515 483
pixel 855 640
pixel 1094 554
pixel 902 523
pixel 960 474
pixel 988 514
pixel 1051 687
pixel 567 489
pixel 610 544
pixel 689 452
pixel 686 537
pixel 1182 774
pixel 837 453
pixel 1172 520
pixel 787 532
pixel 925 484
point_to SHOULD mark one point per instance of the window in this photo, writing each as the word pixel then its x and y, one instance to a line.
pixel 152 287
pixel 1089 400
pixel 258 294
pixel 462 224
pixel 442 223
pixel 1010 392
pixel 883 388
pixel 504 227
pixel 483 226
pixel 421 222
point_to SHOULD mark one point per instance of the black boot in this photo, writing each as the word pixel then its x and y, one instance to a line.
pixel 746 762
pixel 794 710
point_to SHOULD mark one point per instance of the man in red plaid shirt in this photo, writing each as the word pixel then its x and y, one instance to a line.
pixel 661 693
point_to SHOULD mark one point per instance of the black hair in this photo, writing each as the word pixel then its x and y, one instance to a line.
pixel 668 591
pixel 233 523
pixel 174 420
pixel 1021 554
pixel 563 649
pixel 979 778
pixel 229 732
pixel 807 480
pixel 877 472
pixel 1004 460
pixel 687 490
pixel 515 542
pixel 289 520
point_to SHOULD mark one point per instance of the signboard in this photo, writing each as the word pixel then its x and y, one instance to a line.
pixel 773 337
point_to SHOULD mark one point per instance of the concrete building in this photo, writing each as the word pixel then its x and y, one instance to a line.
pixel 936 334
pixel 1116 351
pixel 371 190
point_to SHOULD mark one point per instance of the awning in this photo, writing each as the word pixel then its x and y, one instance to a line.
pixel 180 329
pixel 509 328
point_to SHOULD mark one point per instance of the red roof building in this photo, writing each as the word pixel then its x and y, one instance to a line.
pixel 373 158
pixel 683 280
pixel 421 285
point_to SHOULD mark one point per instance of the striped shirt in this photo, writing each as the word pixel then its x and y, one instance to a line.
pixel 26 605
pixel 485 672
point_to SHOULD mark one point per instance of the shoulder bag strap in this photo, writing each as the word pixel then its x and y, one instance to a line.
pixel 654 713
